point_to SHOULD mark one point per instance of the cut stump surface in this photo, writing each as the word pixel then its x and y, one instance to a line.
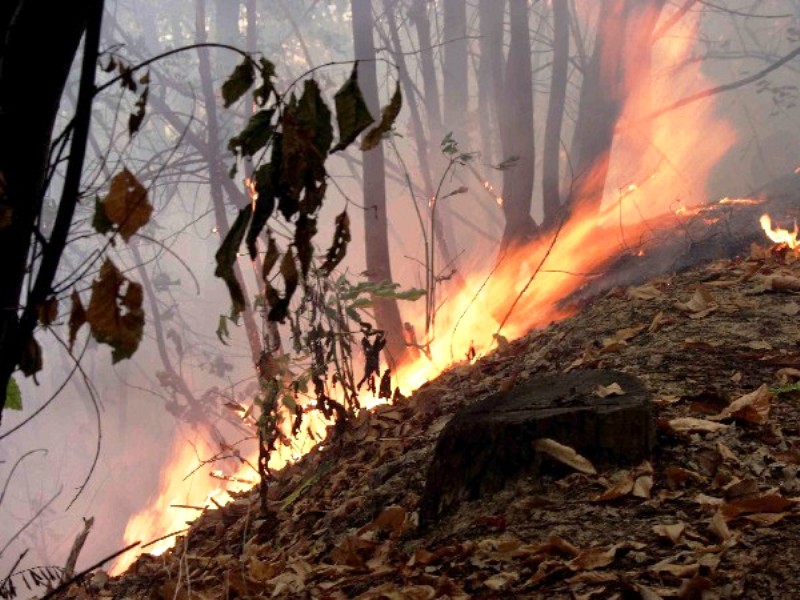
pixel 491 441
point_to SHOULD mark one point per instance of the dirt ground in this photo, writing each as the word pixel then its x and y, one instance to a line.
pixel 713 514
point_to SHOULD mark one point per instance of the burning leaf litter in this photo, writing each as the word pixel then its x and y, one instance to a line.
pixel 703 518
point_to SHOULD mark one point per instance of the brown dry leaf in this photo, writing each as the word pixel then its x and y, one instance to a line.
pixel 753 407
pixel 672 532
pixel 680 571
pixel 781 283
pixel 706 500
pixel 628 333
pixel 659 321
pixel 759 345
pixel 791 309
pixel 693 424
pixel 594 558
pixel 767 503
pixel 700 305
pixel 643 486
pixel 262 571
pixel 556 542
pixel 765 519
pixel 726 453
pixel 736 377
pixel 677 476
pixel 611 345
pixel 644 292
pixel 719 527
pixel 353 551
pixel 667 399
pixel 623 487
pixel 787 375
pixel 741 488
pixel 647 593
pixel 126 204
pixel 391 520
pixel 501 581
pixel 614 389
pixel 565 455
pixel 422 557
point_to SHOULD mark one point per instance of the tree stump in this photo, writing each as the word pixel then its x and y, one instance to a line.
pixel 491 441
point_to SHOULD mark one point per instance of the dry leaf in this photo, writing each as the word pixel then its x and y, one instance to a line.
pixel 642 486
pixel 564 454
pixel 623 487
pixel 644 292
pixel 614 389
pixel 719 527
pixel 691 424
pixel 126 204
pixel 680 571
pixel 659 321
pixel 673 532
pixel 767 503
pixel 501 581
pixel 759 345
pixel 753 407
pixel 790 310
pixel 594 558
pixel 701 304
pixel 391 520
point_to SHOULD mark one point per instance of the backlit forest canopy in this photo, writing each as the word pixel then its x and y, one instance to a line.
pixel 227 226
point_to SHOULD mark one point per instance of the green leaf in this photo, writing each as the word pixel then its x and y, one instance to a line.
pixel 338 249
pixel 352 114
pixel 227 254
pixel 255 135
pixel 412 294
pixel 239 81
pixel 388 116
pixel 13 395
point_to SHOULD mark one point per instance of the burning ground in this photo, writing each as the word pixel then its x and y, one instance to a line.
pixel 712 514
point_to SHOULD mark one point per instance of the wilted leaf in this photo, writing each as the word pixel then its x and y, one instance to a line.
pixel 262 93
pixel 101 223
pixel 352 114
pixel 614 389
pixel 501 581
pixel 227 254
pixel 116 318
pixel 13 395
pixel 691 424
pixel 388 116
pixel 338 248
pixel 622 487
pixel 391 520
pixel 126 204
pixel 768 503
pixel 701 304
pixel 314 116
pixel 48 311
pixel 644 292
pixel 595 558
pixel 239 81
pixel 77 317
pixel 255 135
pixel 565 455
pixel 673 532
pixel 642 486
pixel 753 407
pixel 136 118
pixel 30 362
pixel 719 527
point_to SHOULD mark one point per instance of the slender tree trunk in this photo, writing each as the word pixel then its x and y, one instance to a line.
pixel 418 13
pixel 551 165
pixel 28 108
pixel 376 237
pixel 516 123
pixel 216 171
pixel 454 70
pixel 490 73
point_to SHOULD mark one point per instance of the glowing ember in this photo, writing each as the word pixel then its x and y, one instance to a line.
pixel 490 188
pixel 778 235
pixel 739 201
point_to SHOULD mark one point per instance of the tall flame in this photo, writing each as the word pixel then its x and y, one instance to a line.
pixel 778 235
pixel 527 283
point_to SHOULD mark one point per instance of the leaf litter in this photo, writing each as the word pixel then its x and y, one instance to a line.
pixel 702 519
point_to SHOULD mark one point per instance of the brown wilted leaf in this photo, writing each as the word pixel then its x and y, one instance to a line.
pixel 613 389
pixel 719 527
pixel 501 581
pixel 767 503
pixel 623 487
pixel 693 424
pixel 790 309
pixel 565 455
pixel 353 551
pixel 126 204
pixel 643 486
pixel 780 283
pixel 700 305
pixel 753 407
pixel 77 317
pixel 659 321
pixel 672 532
pixel 391 520
pixel 594 558
pixel 644 292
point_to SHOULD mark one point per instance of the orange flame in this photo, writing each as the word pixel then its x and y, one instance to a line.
pixel 778 235
pixel 527 283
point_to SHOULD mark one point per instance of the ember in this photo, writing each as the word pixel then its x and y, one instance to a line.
pixel 778 235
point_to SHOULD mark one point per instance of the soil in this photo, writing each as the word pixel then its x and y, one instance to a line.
pixel 713 513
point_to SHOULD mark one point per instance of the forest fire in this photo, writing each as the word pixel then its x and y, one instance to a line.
pixel 522 289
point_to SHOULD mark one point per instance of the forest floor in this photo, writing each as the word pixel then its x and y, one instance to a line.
pixel 713 514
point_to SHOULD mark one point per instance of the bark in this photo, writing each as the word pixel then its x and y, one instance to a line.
pixel 28 107
pixel 619 66
pixel 212 151
pixel 454 70
pixel 516 127
pixel 490 74
pixel 551 165
pixel 418 13
pixel 387 314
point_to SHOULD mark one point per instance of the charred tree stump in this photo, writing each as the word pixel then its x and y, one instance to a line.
pixel 491 441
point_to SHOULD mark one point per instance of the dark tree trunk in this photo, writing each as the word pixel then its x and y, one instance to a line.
pixel 490 73
pixel 387 314
pixel 618 65
pixel 454 70
pixel 551 165
pixel 516 128
pixel 29 104
pixel 418 13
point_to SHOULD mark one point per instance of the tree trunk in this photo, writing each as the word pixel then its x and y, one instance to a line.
pixel 418 13
pixel 454 70
pixel 516 128
pixel 551 165
pixel 376 239
pixel 28 108
pixel 490 74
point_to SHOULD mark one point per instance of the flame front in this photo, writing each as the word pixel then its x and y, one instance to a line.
pixel 526 283
pixel 778 235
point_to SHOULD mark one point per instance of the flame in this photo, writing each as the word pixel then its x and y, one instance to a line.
pixel 487 185
pixel 526 283
pixel 778 235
